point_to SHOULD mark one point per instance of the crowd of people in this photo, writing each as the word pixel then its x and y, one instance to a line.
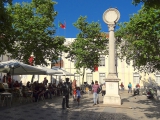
pixel 47 90
pixel 11 82
pixel 130 88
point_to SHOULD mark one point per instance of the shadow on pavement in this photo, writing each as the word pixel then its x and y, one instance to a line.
pixel 51 109
pixel 153 109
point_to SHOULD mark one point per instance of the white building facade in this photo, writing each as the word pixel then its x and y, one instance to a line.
pixel 125 72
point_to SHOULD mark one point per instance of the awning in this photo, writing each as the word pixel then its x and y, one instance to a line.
pixel 49 71
pixel 18 68
pixel 64 72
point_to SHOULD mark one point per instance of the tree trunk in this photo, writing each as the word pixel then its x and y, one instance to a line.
pixel 83 72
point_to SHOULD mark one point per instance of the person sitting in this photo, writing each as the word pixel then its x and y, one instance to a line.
pixel 54 89
pixel 42 91
pixel 136 90
pixel 20 84
pixel 137 86
pixel 36 91
pixel 16 85
pixel 50 88
pixel 28 85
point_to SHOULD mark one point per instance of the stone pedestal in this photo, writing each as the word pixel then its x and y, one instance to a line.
pixel 112 96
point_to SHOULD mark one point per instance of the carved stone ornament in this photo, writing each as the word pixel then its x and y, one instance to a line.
pixel 111 27
pixel 111 16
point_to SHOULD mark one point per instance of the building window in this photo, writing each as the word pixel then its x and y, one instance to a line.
pixel 102 76
pixel 89 78
pixel 135 78
pixel 158 78
pixel 77 77
pixel 102 61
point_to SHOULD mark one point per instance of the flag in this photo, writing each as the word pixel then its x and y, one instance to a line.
pixel 95 67
pixel 30 60
pixel 63 26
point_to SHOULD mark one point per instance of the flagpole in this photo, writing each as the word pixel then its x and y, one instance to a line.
pixel 58 27
pixel 65 29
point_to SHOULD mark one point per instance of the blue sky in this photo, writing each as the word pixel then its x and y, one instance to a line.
pixel 70 10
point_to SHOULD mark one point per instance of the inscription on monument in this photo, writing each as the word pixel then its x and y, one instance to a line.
pixel 111 85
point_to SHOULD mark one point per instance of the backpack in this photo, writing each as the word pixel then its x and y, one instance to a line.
pixel 98 90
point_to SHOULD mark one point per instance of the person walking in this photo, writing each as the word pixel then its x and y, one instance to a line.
pixel 74 89
pixel 95 94
pixel 92 83
pixel 122 86
pixel 74 94
pixel 78 94
pixel 103 89
pixel 129 87
pixel 67 89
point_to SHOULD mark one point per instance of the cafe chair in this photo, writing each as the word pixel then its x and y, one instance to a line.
pixel 41 96
pixel 6 97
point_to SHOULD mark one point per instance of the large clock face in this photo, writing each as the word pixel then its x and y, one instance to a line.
pixel 111 16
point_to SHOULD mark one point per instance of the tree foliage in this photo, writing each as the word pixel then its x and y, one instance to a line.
pixel 88 45
pixel 149 3
pixel 34 31
pixel 5 27
pixel 139 40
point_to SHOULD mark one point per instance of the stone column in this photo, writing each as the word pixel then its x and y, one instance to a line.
pixel 112 67
pixel 112 97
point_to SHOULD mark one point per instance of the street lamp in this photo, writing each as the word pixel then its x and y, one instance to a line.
pixel 12 66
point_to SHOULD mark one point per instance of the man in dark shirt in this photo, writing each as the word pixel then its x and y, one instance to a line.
pixel 67 89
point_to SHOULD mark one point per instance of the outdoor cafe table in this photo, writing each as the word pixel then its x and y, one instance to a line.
pixel 4 97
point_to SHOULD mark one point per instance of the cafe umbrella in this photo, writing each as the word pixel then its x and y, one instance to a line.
pixel 18 68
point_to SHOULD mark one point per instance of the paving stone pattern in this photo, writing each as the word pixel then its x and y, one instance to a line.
pixel 142 108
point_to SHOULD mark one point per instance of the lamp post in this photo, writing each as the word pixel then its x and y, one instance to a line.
pixel 111 17
pixel 12 66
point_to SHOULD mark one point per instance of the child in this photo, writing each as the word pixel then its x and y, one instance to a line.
pixel 74 94
pixel 78 94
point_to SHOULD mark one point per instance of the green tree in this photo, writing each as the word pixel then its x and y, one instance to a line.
pixel 34 30
pixel 88 45
pixel 5 27
pixel 139 40
pixel 149 3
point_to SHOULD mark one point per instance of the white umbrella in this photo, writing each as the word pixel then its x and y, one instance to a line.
pixel 18 68
pixel 64 72
pixel 49 71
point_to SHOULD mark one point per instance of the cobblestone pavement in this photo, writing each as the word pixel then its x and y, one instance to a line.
pixel 133 108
